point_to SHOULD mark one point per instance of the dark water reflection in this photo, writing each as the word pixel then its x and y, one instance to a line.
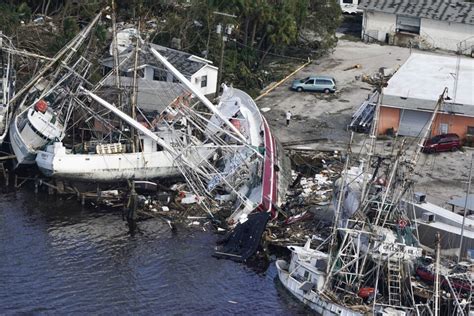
pixel 57 258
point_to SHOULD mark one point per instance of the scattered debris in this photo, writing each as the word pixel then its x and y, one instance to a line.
pixel 356 66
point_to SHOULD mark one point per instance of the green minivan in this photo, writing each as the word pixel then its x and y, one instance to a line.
pixel 324 84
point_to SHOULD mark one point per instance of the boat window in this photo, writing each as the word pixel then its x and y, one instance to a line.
pixel 306 275
pixel 321 265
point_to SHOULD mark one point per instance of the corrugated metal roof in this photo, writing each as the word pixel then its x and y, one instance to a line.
pixel 450 11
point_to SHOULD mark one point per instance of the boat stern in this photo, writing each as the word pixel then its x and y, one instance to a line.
pixel 45 159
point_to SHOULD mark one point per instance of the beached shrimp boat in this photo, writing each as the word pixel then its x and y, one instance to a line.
pixel 367 266
pixel 45 102
pixel 225 151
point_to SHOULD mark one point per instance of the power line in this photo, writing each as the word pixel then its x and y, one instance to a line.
pixel 273 54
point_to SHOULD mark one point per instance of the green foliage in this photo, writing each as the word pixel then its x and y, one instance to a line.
pixel 70 28
pixel 9 18
pixel 24 12
pixel 101 33
pixel 262 28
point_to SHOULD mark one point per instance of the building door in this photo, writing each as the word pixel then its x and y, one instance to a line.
pixel 413 123
pixel 443 128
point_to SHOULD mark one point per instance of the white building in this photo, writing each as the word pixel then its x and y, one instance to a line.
pixel 197 70
pixel 442 24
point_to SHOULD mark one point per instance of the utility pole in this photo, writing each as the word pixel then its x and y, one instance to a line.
pixel 220 30
pixel 221 60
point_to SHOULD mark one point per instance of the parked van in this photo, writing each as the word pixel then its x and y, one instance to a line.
pixel 445 142
pixel 324 84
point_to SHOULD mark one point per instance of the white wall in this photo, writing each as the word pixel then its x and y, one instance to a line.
pixel 378 24
pixel 446 35
pixel 438 34
pixel 211 73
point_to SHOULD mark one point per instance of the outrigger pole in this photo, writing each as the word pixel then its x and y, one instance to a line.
pixel 197 93
pixel 130 121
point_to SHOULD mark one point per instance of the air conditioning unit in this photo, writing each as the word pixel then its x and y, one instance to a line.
pixel 420 197
pixel 428 217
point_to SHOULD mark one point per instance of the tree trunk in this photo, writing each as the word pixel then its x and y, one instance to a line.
pixel 260 44
pixel 246 30
pixel 46 8
pixel 254 31
pixel 265 55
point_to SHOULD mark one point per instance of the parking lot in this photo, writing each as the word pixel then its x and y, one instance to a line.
pixel 319 120
pixel 318 115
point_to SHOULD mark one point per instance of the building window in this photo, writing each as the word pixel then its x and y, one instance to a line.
pixel 159 75
pixel 203 81
pixel 408 24
pixel 470 130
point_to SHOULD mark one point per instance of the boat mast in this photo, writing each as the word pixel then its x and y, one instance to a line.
pixel 332 247
pixel 71 47
pixel 437 263
pixel 115 48
pixel 197 93
pixel 427 132
pixel 373 138
pixel 412 163
pixel 130 121
pixel 465 209
pixel 134 89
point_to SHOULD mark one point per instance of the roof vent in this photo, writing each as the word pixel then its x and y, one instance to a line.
pixel 419 197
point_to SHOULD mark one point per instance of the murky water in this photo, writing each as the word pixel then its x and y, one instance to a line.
pixel 58 258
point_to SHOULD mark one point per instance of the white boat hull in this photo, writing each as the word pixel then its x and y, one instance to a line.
pixel 109 167
pixel 23 154
pixel 310 298
pixel 30 131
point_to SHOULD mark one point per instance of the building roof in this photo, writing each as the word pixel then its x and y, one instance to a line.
pixel 442 10
pixel 185 63
pixel 419 82
pixel 152 95
pixel 461 202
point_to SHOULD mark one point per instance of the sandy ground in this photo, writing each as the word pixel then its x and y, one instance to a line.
pixel 319 121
